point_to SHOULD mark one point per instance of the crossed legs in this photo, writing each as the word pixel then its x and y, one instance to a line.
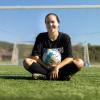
pixel 70 69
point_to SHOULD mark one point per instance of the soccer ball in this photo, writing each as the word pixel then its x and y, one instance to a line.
pixel 52 57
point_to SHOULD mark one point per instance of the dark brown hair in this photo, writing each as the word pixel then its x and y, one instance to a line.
pixel 54 15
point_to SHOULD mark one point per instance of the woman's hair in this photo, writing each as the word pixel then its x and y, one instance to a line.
pixel 54 15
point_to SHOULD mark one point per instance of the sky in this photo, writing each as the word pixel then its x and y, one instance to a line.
pixel 83 25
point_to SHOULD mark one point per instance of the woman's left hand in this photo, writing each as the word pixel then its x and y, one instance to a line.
pixel 54 73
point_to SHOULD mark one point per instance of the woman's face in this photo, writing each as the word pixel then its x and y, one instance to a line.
pixel 52 24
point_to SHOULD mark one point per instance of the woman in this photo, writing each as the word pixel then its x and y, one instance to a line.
pixel 53 39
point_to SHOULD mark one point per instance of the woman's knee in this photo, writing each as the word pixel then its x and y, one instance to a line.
pixel 28 62
pixel 79 63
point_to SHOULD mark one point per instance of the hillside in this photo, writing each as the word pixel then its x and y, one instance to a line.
pixel 25 50
pixel 6 49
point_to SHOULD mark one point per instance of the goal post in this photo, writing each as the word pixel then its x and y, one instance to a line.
pixel 15 55
pixel 50 7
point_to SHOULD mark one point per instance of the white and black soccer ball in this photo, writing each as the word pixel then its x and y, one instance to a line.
pixel 51 57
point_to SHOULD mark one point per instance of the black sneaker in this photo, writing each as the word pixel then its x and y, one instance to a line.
pixel 65 78
pixel 68 78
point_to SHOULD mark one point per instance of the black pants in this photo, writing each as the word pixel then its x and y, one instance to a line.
pixel 64 72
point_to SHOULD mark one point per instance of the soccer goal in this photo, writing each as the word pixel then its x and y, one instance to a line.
pixel 16 52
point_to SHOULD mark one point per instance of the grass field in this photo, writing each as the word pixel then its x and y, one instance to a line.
pixel 16 84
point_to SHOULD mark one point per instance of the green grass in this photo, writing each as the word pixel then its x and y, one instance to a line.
pixel 16 84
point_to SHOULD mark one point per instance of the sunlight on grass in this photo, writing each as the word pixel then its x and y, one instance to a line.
pixel 16 83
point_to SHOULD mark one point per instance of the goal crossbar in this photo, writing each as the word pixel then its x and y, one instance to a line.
pixel 50 7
